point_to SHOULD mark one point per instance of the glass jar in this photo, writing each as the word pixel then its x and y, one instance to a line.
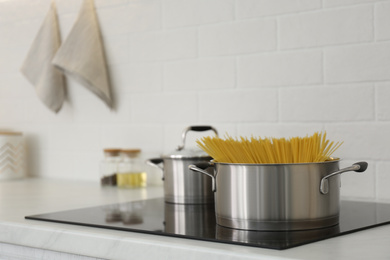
pixel 131 170
pixel 109 167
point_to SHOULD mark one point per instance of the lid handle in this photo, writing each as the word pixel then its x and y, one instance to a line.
pixel 199 128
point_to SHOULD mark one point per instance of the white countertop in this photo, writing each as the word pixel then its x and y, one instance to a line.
pixel 19 198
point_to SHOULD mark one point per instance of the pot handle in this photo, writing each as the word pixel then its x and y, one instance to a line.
pixel 201 167
pixel 196 129
pixel 357 167
pixel 156 162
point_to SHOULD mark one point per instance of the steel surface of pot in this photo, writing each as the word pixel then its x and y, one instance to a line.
pixel 270 239
pixel 190 219
pixel 277 196
pixel 180 184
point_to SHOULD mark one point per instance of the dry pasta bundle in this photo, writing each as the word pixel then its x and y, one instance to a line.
pixel 315 148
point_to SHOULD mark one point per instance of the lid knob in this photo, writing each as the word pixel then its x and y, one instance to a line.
pixel 196 129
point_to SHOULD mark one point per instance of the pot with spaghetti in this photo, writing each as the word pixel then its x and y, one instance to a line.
pixel 275 184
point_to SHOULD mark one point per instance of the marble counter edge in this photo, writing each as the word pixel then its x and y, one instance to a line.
pixel 117 245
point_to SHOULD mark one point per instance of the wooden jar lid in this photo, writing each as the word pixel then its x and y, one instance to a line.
pixel 10 133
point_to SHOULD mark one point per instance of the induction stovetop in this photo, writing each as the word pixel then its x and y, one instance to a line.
pixel 154 216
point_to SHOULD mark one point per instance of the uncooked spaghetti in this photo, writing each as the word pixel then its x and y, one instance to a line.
pixel 315 148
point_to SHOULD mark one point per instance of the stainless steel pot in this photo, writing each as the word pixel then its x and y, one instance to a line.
pixel 277 196
pixel 180 184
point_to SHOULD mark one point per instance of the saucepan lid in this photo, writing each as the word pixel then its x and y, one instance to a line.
pixel 185 153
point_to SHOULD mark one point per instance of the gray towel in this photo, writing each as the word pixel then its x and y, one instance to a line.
pixel 48 81
pixel 81 55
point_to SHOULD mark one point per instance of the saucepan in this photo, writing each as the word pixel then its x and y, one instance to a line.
pixel 180 184
pixel 190 219
pixel 297 196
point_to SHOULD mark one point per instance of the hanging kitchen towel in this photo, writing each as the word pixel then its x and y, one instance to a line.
pixel 81 55
pixel 48 81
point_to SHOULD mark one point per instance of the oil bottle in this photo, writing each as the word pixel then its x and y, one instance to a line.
pixel 131 170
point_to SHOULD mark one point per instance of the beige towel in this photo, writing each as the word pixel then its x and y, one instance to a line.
pixel 82 57
pixel 48 81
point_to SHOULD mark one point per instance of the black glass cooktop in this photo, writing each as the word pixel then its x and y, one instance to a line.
pixel 154 216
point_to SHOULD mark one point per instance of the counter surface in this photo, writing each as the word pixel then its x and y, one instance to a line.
pixel 19 198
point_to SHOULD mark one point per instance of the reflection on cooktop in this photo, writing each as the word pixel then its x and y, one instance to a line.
pixel 154 216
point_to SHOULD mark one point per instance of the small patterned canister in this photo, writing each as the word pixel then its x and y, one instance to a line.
pixel 12 155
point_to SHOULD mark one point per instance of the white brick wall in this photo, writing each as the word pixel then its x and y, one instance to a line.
pixel 262 67
pixel 340 3
pixel 280 69
pixel 238 38
pixel 167 45
pixel 382 101
pixel 381 19
pixel 134 16
pixel 358 63
pixel 239 106
pixel 181 13
pixel 328 27
pixel 333 103
pixel 137 77
pixel 200 74
pixel 258 8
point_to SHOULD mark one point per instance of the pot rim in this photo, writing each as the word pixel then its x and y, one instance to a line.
pixel 179 156
pixel 187 154
pixel 333 160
